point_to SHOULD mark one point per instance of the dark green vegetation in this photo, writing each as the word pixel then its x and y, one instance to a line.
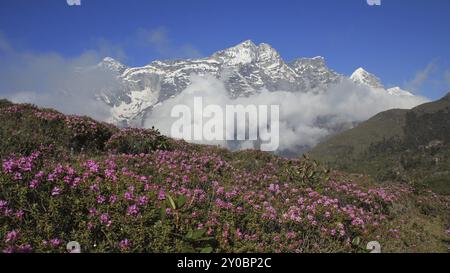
pixel 69 178
pixel 410 146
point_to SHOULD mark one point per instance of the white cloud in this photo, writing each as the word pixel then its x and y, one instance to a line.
pixel 305 118
pixel 421 77
pixel 51 80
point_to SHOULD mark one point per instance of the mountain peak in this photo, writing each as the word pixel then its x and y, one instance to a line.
pixel 245 69
pixel 361 76
pixel 264 46
pixel 109 60
pixel 242 53
pixel 112 65
pixel 315 71
pixel 267 54
pixel 360 70
pixel 247 43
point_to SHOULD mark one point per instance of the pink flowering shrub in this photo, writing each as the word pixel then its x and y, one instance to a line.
pixel 141 192
pixel 85 133
pixel 172 201
pixel 26 127
pixel 136 141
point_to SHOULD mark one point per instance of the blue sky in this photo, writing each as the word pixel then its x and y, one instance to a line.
pixel 404 42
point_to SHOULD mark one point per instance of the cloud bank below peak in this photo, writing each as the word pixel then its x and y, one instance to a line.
pixel 305 118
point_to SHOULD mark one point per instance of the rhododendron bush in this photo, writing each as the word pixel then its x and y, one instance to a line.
pixel 130 190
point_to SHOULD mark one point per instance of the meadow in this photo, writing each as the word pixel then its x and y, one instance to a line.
pixel 68 178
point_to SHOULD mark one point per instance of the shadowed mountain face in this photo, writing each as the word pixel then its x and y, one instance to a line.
pixel 409 145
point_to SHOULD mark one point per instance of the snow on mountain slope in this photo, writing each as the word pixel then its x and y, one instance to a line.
pixel 314 72
pixel 241 54
pixel 245 70
pixel 110 64
pixel 397 91
pixel 361 76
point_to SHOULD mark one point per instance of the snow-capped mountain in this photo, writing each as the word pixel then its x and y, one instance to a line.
pixel 361 76
pixel 397 91
pixel 245 69
pixel 110 64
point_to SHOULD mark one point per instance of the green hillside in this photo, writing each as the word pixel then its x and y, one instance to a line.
pixel 406 145
pixel 69 178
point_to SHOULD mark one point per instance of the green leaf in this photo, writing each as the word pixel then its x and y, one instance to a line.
pixel 356 241
pixel 171 202
pixel 189 234
pixel 198 233
pixel 181 201
pixel 207 249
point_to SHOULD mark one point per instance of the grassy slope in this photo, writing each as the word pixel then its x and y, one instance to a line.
pixel 411 146
pixel 416 221
pixel 353 142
